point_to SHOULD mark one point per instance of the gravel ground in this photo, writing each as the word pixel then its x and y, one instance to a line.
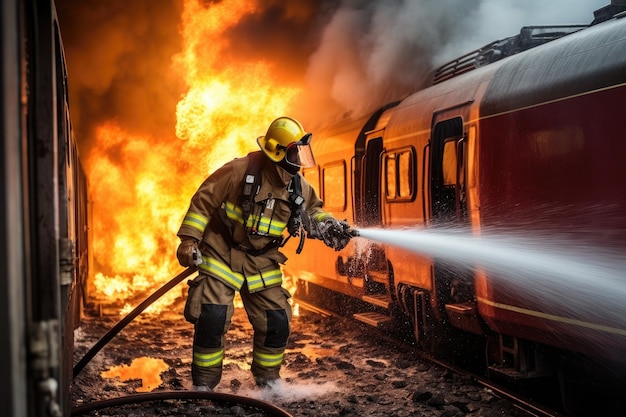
pixel 333 367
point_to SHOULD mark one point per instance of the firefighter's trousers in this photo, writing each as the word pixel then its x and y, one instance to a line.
pixel 269 313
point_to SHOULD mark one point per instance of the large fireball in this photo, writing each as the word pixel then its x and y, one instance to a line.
pixel 141 184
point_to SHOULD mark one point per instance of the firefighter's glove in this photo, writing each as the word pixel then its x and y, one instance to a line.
pixel 335 234
pixel 188 253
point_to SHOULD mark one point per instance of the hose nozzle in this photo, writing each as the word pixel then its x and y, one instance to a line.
pixel 354 232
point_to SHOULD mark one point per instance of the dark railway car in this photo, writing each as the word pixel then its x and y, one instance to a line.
pixel 44 234
pixel 527 140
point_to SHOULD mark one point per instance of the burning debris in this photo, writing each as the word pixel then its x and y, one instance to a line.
pixel 146 370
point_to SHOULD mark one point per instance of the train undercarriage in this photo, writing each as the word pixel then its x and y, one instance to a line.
pixel 454 334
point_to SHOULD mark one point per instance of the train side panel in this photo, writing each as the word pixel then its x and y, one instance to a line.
pixel 45 205
pixel 13 384
pixel 551 158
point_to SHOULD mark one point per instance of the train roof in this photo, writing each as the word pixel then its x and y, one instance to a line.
pixel 352 131
pixel 341 134
pixel 588 60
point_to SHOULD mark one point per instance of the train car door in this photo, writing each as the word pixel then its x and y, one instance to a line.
pixel 375 267
pixel 368 151
pixel 371 215
pixel 453 284
pixel 448 205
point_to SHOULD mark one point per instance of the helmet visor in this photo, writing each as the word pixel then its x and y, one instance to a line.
pixel 300 154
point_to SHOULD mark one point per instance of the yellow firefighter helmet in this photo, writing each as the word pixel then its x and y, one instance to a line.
pixel 286 139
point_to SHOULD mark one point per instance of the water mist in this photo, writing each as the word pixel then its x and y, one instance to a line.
pixel 586 281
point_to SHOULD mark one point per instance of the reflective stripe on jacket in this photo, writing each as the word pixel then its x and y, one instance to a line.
pixel 221 271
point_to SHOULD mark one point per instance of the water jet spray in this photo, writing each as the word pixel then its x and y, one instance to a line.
pixel 576 277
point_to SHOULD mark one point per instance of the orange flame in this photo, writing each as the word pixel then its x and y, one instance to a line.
pixel 141 185
pixel 148 370
pixel 229 98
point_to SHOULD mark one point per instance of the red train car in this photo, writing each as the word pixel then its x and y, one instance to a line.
pixel 529 146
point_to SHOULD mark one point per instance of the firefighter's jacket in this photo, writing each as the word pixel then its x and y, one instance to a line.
pixel 230 252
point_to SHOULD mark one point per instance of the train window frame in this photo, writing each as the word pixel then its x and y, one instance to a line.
pixel 324 168
pixel 396 195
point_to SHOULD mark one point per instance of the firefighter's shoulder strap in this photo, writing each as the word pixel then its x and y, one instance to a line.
pixel 252 185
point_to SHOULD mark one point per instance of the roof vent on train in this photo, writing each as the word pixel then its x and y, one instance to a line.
pixel 529 37
pixel 608 12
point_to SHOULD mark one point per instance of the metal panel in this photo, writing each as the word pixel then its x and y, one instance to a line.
pixel 12 355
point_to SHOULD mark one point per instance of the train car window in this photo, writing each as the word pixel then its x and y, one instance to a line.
pixel 334 186
pixel 405 177
pixel 400 168
pixel 449 162
pixel 391 171
pixel 312 175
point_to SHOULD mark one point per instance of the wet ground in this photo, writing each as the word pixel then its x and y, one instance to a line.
pixel 333 367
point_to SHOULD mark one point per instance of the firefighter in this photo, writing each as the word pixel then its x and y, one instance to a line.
pixel 233 231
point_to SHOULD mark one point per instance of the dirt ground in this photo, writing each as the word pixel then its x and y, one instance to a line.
pixel 333 367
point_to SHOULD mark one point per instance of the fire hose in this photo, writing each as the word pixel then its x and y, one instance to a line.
pixel 268 408
pixel 129 317
pixel 164 395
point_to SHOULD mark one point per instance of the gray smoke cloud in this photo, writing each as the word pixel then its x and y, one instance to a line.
pixel 374 52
